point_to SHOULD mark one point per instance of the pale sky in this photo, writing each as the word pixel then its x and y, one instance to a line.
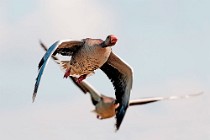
pixel 166 42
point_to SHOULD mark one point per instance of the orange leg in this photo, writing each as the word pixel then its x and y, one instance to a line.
pixel 67 74
pixel 82 77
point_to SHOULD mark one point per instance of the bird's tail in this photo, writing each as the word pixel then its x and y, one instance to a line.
pixel 63 64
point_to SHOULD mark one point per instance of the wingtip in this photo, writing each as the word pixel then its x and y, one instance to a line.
pixel 194 95
pixel 35 92
pixel 33 97
pixel 42 60
pixel 120 116
pixel 117 127
pixel 42 44
pixel 199 93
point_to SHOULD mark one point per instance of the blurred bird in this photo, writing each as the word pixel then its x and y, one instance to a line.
pixel 105 106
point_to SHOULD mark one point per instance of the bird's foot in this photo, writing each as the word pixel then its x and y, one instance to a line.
pixel 67 73
pixel 82 77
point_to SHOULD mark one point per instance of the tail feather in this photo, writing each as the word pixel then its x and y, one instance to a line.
pixel 63 64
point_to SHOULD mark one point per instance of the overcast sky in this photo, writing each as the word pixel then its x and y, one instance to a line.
pixel 166 42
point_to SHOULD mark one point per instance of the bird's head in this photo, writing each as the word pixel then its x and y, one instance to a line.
pixel 110 41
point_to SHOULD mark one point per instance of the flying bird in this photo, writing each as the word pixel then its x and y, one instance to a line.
pixel 105 106
pixel 88 55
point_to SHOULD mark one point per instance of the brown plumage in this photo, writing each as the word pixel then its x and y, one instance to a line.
pixel 105 106
pixel 88 55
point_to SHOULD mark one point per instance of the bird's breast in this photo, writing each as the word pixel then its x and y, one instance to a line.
pixel 88 59
pixel 105 110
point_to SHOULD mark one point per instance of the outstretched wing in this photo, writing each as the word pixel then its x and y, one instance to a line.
pixel 64 47
pixel 84 86
pixel 121 77
pixel 155 99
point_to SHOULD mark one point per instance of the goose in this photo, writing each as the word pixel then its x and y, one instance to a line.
pixel 88 55
pixel 105 106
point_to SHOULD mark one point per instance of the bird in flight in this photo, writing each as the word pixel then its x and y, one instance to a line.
pixel 105 106
pixel 88 55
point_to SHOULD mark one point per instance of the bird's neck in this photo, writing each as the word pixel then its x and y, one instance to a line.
pixel 103 44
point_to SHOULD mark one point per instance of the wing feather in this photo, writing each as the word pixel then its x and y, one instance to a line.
pixel 84 86
pixel 155 99
pixel 71 45
pixel 121 77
